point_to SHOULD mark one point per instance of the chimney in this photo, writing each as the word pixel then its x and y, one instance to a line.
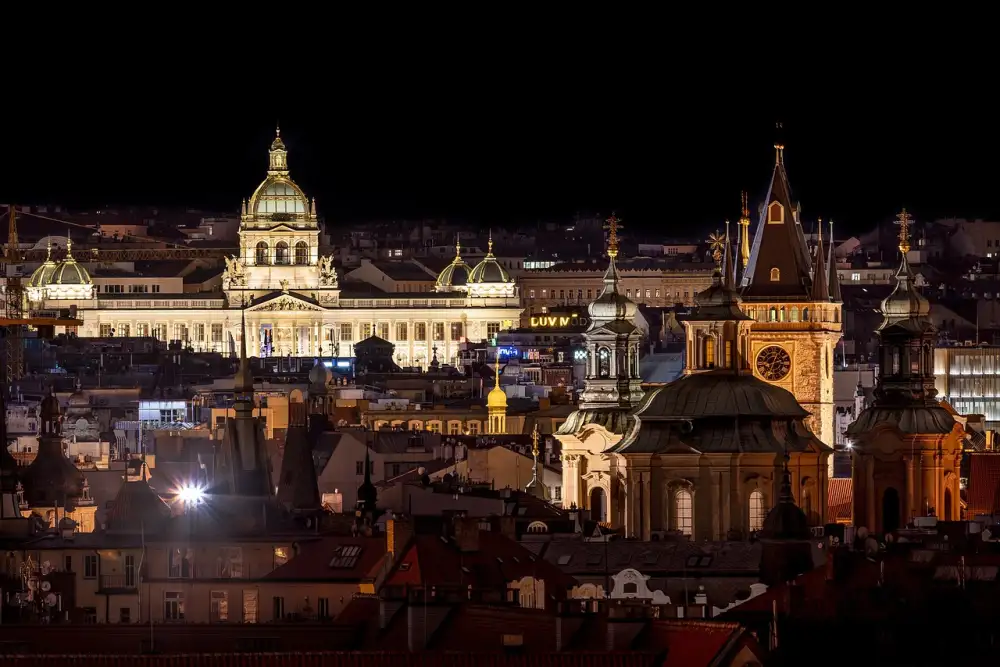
pixel 398 532
pixel 466 533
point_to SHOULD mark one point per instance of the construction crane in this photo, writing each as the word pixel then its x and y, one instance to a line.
pixel 15 302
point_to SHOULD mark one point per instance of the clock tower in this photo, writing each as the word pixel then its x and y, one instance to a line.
pixel 792 295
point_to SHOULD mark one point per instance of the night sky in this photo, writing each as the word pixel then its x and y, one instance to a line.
pixel 509 146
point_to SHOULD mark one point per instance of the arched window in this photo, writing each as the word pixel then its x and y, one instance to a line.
pixel 709 351
pixel 683 517
pixel 805 314
pixel 772 314
pixel 301 253
pixel 794 316
pixel 281 253
pixel 603 363
pixel 757 512
pixel 263 257
pixel 775 274
pixel 781 314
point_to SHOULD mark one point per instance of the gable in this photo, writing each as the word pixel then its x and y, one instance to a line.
pixel 288 302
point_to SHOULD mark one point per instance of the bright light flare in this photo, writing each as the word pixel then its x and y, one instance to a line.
pixel 191 495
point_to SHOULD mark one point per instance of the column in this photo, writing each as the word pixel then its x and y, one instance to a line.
pixel 646 505
pixel 910 497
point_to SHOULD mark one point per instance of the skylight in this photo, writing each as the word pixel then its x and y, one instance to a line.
pixel 565 558
pixel 345 556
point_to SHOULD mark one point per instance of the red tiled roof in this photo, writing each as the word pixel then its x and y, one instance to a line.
pixel 435 561
pixel 313 561
pixel 984 483
pixel 691 643
pixel 840 499
pixel 354 659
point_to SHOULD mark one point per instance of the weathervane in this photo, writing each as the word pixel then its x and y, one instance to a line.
pixel 904 221
pixel 614 224
pixel 716 242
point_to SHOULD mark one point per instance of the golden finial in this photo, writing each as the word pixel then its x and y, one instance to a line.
pixel 613 225
pixel 716 242
pixel 819 229
pixel 779 148
pixel 277 130
pixel 904 221
pixel 534 442
pixel 489 243
pixel 48 248
pixel 458 248
pixel 745 210
pixel 497 370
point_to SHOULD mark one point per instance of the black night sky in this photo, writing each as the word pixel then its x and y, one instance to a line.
pixel 507 141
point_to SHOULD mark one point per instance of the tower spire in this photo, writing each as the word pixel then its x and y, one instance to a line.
pixel 729 270
pixel 835 294
pixel 820 286
pixel 535 487
pixel 779 146
pixel 744 233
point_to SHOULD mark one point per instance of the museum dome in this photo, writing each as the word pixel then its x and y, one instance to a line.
pixel 68 272
pixel 280 195
pixel 455 274
pixel 489 270
pixel 42 276
pixel 720 393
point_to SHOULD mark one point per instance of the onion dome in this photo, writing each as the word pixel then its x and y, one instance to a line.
pixel 904 302
pixel 612 304
pixel 489 270
pixel 720 300
pixel 497 398
pixel 320 375
pixel 785 521
pixel 455 274
pixel 51 478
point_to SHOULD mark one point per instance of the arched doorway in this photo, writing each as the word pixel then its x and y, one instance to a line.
pixel 598 504
pixel 947 505
pixel 890 510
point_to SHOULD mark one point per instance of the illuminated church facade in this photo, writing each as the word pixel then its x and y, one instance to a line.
pixel 292 296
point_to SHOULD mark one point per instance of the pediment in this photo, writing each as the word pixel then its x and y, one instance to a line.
pixel 285 302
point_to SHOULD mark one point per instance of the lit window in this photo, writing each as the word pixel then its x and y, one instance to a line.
pixel 775 274
pixel 682 512
pixel 855 276
pixel 757 512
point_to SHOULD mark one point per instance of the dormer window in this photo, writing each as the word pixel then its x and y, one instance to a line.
pixel 775 274
pixel 775 213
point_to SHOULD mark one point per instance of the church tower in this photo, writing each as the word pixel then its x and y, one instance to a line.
pixel 907 448
pixel 786 290
pixel 496 405
pixel 612 339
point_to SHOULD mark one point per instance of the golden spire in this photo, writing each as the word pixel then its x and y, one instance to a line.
pixel 69 245
pixel 904 221
pixel 745 211
pixel 745 232
pixel 613 224
pixel 48 249
pixel 489 243
pixel 277 130
pixel 779 148
pixel 497 368
pixel 819 229
pixel 534 442
pixel 458 249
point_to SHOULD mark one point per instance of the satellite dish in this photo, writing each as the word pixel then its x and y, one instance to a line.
pixel 51 600
pixel 46 586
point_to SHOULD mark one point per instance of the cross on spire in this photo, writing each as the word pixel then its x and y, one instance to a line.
pixel 614 224
pixel 904 220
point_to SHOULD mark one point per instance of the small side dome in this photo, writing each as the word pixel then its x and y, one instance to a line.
pixel 612 305
pixel 489 271
pixel 497 398
pixel 68 272
pixel 43 274
pixel 455 274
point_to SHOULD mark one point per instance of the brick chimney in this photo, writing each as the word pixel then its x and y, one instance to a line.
pixel 466 533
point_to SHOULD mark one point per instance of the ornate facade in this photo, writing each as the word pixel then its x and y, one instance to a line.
pixel 793 297
pixel 906 447
pixel 707 455
pixel 294 302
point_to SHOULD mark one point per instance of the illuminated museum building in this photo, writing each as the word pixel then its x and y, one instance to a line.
pixel 705 455
pixel 292 296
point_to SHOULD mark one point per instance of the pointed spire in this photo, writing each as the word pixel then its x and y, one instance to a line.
pixel 613 224
pixel 458 247
pixel 779 146
pixel 744 233
pixel 835 294
pixel 535 486
pixel 820 287
pixel 69 244
pixel 497 383
pixel 48 248
pixel 489 245
pixel 729 275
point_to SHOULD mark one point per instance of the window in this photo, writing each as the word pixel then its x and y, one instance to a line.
pixel 199 332
pixel 401 331
pixel 531 294
pixel 281 253
pixel 131 571
pixel 492 329
pixel 420 331
pixel 856 276
pixel 709 352
pixel 359 467
pixel 301 253
pixel 683 518
pixel 323 608
pixel 345 556
pixel 230 563
pixel 90 566
pixel 105 331
pixel 557 493
pixel 366 330
pixel 249 606
pixel 181 563
pixel 217 333
pixel 280 556
pixel 775 274
pixel 173 606
pixel 90 615
pixel 67 564
pixel 262 255
pixel 456 331
pixel 218 610
pixel 156 289
pixel 346 332
pixel 473 427
pixel 125 615
pixel 439 331
pixel 383 330
pixel 775 213
pixel 278 608
pixel 757 512
pixel 123 330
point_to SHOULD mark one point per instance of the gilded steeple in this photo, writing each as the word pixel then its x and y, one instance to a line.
pixel 744 233
pixel 535 487
pixel 278 165
pixel 496 403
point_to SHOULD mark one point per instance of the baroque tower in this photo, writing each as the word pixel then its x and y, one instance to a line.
pixel 907 448
pixel 496 405
pixel 787 291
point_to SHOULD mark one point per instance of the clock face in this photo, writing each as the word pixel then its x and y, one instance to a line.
pixel 773 363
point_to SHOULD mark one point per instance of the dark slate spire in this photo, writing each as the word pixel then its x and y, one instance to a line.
pixel 779 259
pixel 51 479
pixel 367 494
pixel 835 295
pixel 298 486
pixel 786 551
pixel 820 288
